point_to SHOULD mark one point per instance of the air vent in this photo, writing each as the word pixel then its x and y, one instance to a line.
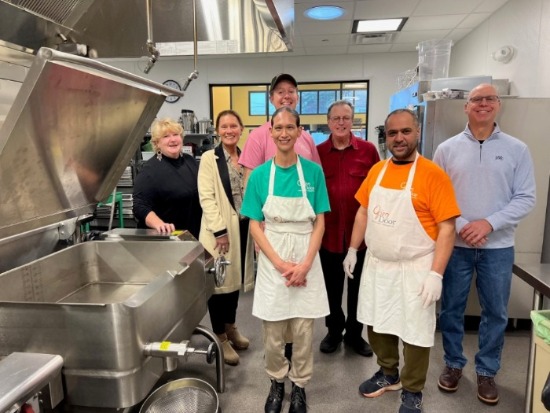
pixel 373 38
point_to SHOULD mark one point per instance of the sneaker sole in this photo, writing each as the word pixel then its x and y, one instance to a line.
pixel 392 387
pixel 447 389
pixel 488 401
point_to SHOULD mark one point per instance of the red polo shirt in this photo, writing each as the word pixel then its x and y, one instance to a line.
pixel 345 170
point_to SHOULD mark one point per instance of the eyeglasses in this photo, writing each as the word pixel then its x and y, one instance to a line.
pixel 489 99
pixel 340 118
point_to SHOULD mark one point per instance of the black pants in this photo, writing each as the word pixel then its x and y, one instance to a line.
pixel 223 310
pixel 333 271
pixel 223 307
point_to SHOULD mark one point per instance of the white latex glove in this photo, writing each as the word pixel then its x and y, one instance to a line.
pixel 350 261
pixel 431 289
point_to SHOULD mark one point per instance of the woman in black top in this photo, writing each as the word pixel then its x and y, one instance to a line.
pixel 166 195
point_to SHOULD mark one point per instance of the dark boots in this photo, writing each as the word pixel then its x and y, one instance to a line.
pixel 274 402
pixel 297 400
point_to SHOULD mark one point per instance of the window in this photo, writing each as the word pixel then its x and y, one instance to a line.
pixel 309 103
pixel 252 103
pixel 257 104
pixel 326 97
pixel 358 98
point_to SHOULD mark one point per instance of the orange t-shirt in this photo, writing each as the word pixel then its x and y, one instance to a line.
pixel 433 195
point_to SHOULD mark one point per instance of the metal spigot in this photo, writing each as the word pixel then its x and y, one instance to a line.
pixel 171 353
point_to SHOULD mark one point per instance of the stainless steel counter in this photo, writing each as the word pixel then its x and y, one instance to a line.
pixel 537 276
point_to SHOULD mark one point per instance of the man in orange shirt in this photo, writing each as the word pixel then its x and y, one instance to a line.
pixel 407 218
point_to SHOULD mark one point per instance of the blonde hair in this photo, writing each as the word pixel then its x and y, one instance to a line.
pixel 162 127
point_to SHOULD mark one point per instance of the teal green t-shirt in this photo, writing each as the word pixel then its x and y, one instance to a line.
pixel 287 184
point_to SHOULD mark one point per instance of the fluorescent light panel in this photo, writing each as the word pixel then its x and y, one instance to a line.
pixel 379 25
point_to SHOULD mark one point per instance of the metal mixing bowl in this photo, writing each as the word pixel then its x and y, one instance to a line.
pixel 187 395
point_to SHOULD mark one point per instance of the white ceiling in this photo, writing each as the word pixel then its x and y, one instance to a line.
pixel 427 19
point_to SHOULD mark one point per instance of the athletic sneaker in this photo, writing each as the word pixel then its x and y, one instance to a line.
pixel 411 402
pixel 379 383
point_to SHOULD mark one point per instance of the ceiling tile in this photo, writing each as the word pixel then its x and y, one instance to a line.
pixel 427 19
pixel 370 48
pixel 326 41
pixel 441 7
pixel 375 9
pixel 490 6
pixel 473 20
pixel 316 28
pixel 420 35
pixel 326 51
pixel 433 22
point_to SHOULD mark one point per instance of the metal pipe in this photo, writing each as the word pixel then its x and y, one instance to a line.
pixel 151 48
pixel 220 375
pixel 53 55
pixel 545 256
pixel 195 73
pixel 195 37
pixel 538 300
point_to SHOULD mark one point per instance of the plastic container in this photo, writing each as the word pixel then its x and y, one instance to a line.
pixel 434 57
pixel 541 324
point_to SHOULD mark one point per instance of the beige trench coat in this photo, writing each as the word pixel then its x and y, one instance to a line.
pixel 219 214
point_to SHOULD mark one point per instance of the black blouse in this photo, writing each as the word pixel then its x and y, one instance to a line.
pixel 169 188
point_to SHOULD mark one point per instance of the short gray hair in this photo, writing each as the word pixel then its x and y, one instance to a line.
pixel 341 102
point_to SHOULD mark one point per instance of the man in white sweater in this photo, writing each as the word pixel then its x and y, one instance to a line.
pixel 494 182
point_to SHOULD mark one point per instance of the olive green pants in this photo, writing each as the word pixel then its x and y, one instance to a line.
pixel 416 359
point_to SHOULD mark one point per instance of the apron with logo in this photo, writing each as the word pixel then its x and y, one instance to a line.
pixel 288 228
pixel 399 258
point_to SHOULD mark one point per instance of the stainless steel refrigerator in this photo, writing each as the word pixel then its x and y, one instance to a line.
pixel 526 119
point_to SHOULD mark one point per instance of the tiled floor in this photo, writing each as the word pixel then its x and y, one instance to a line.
pixel 336 377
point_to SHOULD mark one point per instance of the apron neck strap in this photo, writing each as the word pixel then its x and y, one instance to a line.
pixel 410 177
pixel 300 177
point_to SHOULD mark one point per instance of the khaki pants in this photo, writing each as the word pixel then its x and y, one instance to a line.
pixel 276 364
pixel 415 363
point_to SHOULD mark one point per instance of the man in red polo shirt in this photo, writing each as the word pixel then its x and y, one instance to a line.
pixel 346 161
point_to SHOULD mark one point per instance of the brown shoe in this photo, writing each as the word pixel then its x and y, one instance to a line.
pixel 487 390
pixel 448 381
pixel 239 341
pixel 230 356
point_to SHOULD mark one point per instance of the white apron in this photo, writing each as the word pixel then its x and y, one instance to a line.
pixel 399 258
pixel 288 227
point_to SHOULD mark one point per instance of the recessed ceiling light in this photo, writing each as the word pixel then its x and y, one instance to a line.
pixel 379 25
pixel 325 12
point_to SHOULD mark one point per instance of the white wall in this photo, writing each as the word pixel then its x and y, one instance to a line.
pixel 381 69
pixel 525 25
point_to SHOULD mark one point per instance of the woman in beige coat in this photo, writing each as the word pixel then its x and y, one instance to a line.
pixel 225 232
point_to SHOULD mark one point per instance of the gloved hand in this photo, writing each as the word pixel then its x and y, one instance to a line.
pixel 350 261
pixel 431 289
